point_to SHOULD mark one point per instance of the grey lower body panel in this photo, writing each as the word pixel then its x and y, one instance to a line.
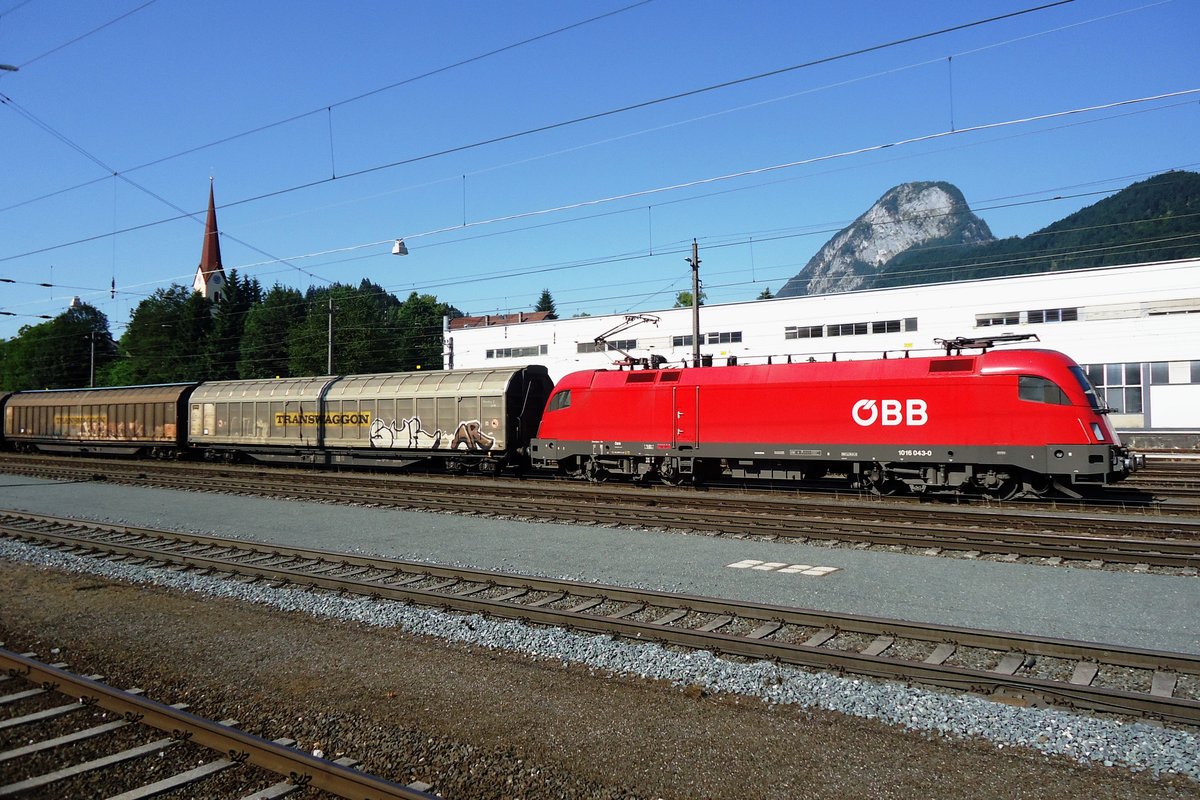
pixel 1077 463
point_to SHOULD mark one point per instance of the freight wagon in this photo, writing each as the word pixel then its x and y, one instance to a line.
pixel 480 418
pixel 135 420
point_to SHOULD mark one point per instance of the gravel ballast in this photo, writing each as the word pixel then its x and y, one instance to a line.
pixel 1156 612
pixel 596 717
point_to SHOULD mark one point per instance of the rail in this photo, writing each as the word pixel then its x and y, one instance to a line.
pixel 787 635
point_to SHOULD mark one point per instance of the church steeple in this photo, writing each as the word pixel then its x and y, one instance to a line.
pixel 210 275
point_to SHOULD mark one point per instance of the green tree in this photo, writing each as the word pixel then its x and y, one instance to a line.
pixel 268 332
pixel 58 354
pixel 546 303
pixel 361 331
pixel 222 345
pixel 165 340
pixel 684 299
pixel 418 331
pixel 765 294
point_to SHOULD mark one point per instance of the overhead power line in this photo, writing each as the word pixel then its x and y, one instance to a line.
pixel 83 36
pixel 576 120
pixel 760 170
pixel 335 104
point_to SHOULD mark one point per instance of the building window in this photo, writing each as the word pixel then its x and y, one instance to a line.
pixel 681 341
pixel 910 324
pixel 518 352
pixel 728 337
pixel 847 329
pixel 1160 372
pixel 803 332
pixel 886 326
pixel 1119 384
pixel 998 318
pixel 1196 372
pixel 1039 316
pixel 616 344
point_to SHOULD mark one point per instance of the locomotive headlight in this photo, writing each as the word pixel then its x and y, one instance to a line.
pixel 1058 453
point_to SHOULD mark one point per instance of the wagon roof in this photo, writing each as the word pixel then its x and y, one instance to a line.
pixel 286 389
pixel 434 383
pixel 165 393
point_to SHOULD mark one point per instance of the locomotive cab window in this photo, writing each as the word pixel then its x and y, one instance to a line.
pixel 1041 390
pixel 560 400
pixel 1088 391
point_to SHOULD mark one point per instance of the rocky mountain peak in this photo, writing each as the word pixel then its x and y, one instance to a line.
pixel 907 216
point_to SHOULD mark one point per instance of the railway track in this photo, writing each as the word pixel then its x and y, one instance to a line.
pixel 80 736
pixel 1011 532
pixel 1021 669
pixel 1163 490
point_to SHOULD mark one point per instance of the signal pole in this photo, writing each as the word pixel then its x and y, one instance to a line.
pixel 329 357
pixel 695 262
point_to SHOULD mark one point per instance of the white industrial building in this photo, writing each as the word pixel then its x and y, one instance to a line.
pixel 1136 329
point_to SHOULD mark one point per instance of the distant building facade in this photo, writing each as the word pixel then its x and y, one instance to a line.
pixel 1135 329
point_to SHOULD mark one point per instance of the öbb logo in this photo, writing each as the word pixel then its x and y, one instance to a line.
pixel 890 412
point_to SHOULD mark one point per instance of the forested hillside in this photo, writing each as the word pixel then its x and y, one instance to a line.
pixel 1154 220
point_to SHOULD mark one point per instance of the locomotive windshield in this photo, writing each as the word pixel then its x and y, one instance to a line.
pixel 560 400
pixel 1086 385
pixel 1041 390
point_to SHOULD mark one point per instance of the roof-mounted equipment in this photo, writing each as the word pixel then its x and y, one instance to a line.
pixel 983 343
pixel 630 321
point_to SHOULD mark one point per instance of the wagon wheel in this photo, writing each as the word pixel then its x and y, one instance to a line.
pixel 594 471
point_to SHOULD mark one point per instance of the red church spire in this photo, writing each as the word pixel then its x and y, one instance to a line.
pixel 210 275
pixel 210 255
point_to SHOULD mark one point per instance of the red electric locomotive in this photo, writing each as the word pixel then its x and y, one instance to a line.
pixel 1003 422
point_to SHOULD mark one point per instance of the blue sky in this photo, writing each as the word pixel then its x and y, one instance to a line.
pixel 325 126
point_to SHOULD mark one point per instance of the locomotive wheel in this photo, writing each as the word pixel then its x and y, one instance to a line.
pixel 668 473
pixel 880 484
pixel 886 488
pixel 1005 490
pixel 1000 485
pixel 1038 485
pixel 594 471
